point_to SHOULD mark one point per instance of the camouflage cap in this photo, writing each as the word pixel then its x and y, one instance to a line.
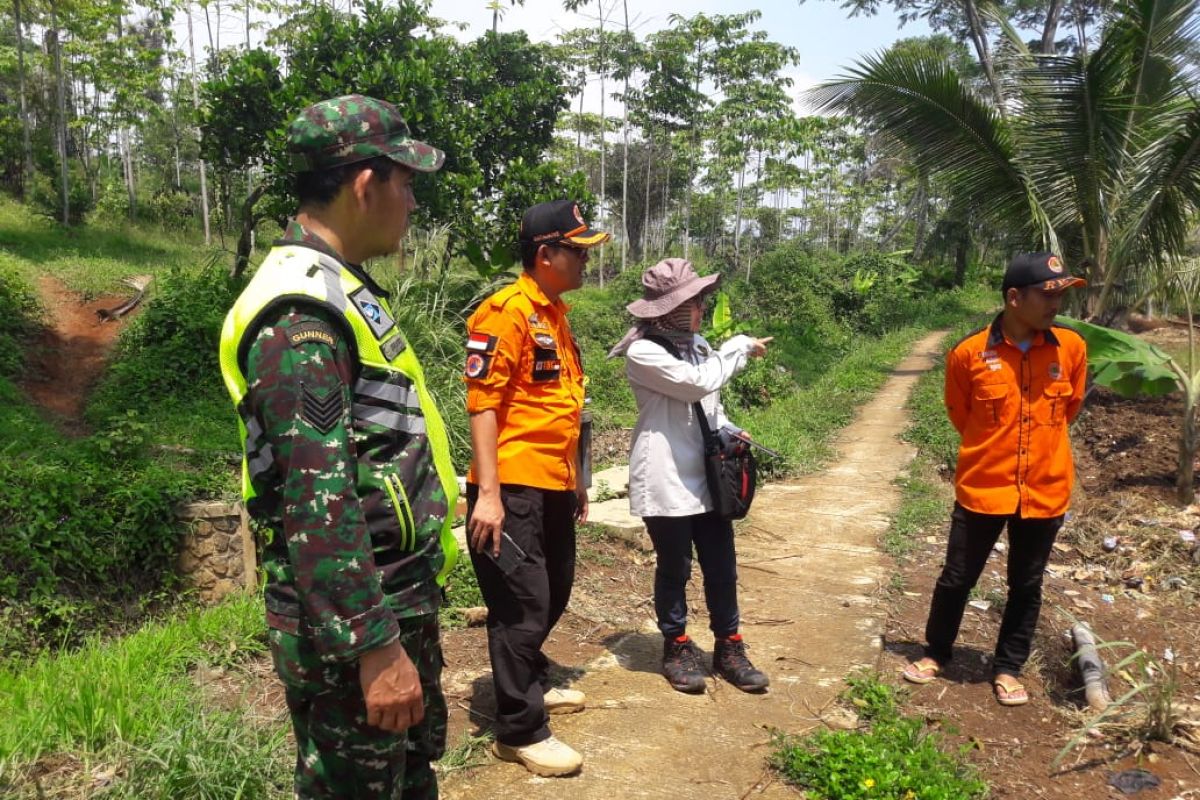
pixel 355 128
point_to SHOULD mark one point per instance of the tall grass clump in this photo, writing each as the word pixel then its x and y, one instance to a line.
pixel 893 757
pixel 131 690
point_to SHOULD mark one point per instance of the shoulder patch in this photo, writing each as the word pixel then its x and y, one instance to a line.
pixel 322 411
pixel 373 311
pixel 478 365
pixel 481 342
pixel 311 332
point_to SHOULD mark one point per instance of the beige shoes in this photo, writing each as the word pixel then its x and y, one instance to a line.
pixel 564 701
pixel 547 758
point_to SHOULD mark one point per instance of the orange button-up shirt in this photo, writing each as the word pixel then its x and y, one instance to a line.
pixel 522 361
pixel 1011 409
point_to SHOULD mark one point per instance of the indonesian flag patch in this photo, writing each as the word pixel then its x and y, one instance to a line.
pixel 481 343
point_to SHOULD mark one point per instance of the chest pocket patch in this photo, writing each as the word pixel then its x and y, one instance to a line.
pixel 988 403
pixel 547 366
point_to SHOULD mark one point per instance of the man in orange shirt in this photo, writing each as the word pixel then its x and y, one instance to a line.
pixel 1012 389
pixel 524 380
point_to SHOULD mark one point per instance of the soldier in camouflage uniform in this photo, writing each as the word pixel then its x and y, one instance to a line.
pixel 347 470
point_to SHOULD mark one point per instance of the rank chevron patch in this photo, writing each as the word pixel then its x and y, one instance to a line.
pixel 322 411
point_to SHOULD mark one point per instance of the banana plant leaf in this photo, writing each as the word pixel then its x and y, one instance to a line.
pixel 1124 363
pixel 722 319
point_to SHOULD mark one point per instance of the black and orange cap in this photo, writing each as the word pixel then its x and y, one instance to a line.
pixel 559 221
pixel 1044 270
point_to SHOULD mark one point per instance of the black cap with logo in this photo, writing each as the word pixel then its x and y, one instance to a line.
pixel 559 221
pixel 1039 269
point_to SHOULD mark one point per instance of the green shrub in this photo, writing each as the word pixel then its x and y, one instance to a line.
pixel 46 196
pixel 895 758
pixel 792 290
pixel 170 349
pixel 19 310
pixel 80 518
pixel 762 382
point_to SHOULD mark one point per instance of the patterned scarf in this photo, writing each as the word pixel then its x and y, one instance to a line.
pixel 674 326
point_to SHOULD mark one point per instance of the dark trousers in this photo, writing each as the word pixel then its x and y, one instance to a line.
pixel 972 537
pixel 524 605
pixel 673 538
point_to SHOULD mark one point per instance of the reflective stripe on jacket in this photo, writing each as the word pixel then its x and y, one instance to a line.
pixel 399 437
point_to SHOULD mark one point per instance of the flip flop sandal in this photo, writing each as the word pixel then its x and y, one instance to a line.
pixel 921 671
pixel 1010 692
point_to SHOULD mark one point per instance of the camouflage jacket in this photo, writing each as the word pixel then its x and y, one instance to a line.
pixel 345 494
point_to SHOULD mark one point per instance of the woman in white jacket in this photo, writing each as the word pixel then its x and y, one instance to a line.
pixel 667 485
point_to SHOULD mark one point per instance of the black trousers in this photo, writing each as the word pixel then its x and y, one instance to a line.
pixel 524 605
pixel 972 537
pixel 673 538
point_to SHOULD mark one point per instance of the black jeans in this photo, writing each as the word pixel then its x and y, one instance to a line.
pixel 972 537
pixel 673 538
pixel 524 605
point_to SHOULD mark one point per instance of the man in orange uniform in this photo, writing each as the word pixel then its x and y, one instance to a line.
pixel 524 381
pixel 1012 389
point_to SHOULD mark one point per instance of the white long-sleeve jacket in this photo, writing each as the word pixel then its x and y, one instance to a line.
pixel 666 458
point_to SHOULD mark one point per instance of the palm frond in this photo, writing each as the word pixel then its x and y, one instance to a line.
pixel 931 116
pixel 1165 199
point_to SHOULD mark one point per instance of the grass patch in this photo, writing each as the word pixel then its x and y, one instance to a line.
pixel 126 698
pixel 802 424
pixel 923 499
pixel 469 753
pixel 462 592
pixel 894 758
pixel 91 259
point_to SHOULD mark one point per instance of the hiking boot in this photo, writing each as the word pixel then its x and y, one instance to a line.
pixel 548 758
pixel 681 665
pixel 730 662
pixel 564 701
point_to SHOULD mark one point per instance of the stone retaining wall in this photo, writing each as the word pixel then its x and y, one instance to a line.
pixel 217 553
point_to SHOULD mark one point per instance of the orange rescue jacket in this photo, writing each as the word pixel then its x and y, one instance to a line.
pixel 1012 409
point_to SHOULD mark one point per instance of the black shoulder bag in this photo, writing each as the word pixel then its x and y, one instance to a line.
pixel 729 463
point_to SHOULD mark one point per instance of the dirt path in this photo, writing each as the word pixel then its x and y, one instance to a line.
pixel 809 574
pixel 70 354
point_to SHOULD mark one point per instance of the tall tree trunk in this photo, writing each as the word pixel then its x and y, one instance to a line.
pixel 603 140
pixel 26 146
pixel 1185 475
pixel 64 174
pixel 979 38
pixel 245 243
pixel 737 217
pixel 687 196
pixel 666 203
pixel 961 251
pixel 579 126
pixel 124 139
pixel 1080 26
pixel 196 107
pixel 247 25
pixel 646 215
pixel 1050 30
pixel 625 156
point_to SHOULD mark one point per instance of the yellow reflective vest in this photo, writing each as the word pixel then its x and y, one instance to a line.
pixel 397 431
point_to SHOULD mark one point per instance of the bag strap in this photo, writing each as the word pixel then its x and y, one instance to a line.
pixel 712 444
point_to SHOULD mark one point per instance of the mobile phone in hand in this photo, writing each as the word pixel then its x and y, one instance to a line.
pixel 511 555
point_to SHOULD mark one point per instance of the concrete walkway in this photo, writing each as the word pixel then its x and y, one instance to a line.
pixel 809 575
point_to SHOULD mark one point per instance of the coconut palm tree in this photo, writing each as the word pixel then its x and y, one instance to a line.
pixel 1096 154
